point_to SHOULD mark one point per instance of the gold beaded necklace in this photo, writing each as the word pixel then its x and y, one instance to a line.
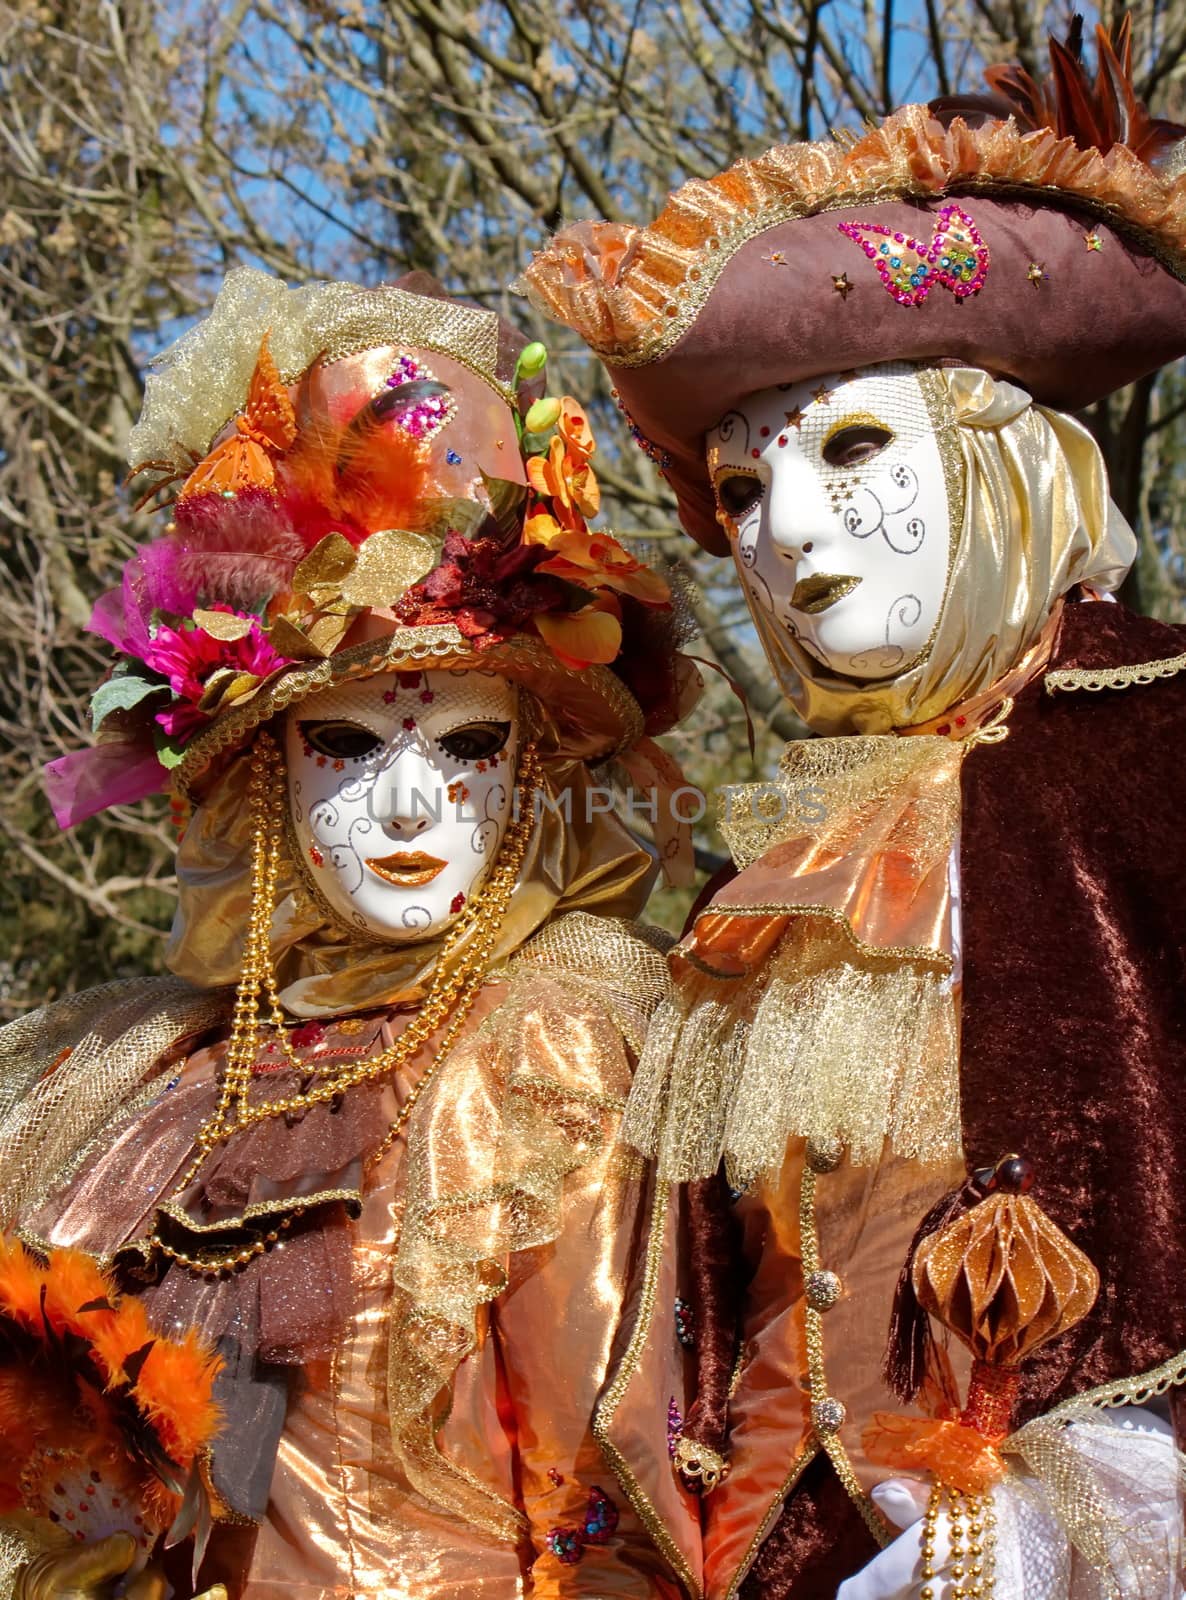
pixel 447 1003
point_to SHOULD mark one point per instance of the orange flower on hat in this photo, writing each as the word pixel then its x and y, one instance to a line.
pixel 542 528
pixel 588 637
pixel 596 561
pixel 573 427
pixel 563 477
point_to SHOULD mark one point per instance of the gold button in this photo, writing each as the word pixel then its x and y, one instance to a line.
pixel 822 1290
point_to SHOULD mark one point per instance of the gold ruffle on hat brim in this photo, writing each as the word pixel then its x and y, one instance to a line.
pixel 1083 291
pixel 591 713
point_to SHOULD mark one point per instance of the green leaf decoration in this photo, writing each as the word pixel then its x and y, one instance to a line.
pixel 169 752
pixel 506 501
pixel 123 690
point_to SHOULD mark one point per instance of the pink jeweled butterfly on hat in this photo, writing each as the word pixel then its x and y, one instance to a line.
pixel 956 257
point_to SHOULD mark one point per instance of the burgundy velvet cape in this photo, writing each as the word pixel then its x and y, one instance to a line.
pixel 1073 879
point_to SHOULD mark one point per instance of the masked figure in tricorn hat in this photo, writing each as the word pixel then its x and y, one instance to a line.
pixel 359 1153
pixel 952 959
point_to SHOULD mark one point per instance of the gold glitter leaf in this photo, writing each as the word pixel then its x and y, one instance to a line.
pixel 223 625
pixel 328 563
pixel 327 632
pixel 289 640
pixel 388 563
pixel 224 686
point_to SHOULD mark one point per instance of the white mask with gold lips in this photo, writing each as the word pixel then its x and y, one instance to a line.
pixel 400 788
pixel 835 495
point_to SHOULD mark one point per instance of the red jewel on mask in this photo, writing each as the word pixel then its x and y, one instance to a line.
pixel 409 723
pixel 315 856
pixel 456 903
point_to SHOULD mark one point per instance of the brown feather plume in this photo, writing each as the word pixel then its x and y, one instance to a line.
pixel 1097 113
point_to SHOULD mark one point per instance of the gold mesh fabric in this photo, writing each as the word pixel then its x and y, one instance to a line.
pixel 198 384
pixel 1097 1480
pixel 870 795
pixel 67 1069
pixel 625 960
pixel 530 1096
pixel 832 1043
pixel 815 998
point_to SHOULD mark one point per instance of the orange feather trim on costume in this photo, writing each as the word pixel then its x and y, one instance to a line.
pixel 69 1384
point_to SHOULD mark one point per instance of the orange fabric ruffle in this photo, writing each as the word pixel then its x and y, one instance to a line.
pixel 954 1453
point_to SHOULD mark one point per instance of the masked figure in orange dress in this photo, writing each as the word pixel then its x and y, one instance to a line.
pixel 935 1025
pixel 363 1144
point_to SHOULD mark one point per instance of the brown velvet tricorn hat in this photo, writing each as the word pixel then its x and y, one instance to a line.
pixel 1038 232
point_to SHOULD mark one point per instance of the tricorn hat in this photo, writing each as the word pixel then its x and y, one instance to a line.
pixel 1038 233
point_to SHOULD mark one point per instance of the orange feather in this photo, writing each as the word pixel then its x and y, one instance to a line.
pixel 353 478
pixel 1096 114
pixel 20 1285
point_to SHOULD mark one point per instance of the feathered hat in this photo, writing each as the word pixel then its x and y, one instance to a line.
pixel 1038 232
pixel 363 480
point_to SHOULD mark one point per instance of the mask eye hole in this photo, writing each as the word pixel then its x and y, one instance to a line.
pixel 738 492
pixel 344 741
pixel 475 741
pixel 852 444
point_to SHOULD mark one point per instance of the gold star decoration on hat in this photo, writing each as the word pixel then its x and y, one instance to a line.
pixel 1093 241
pixel 841 285
pixel 1035 273
pixel 795 418
pixel 822 396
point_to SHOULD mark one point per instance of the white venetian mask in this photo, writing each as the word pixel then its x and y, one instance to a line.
pixel 835 495
pixel 400 788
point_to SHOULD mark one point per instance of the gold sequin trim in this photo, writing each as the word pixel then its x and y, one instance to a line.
pixel 607 1406
pixel 17 1548
pixel 1095 678
pixel 829 1440
pixel 441 646
pixel 936 960
pixel 296 1205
